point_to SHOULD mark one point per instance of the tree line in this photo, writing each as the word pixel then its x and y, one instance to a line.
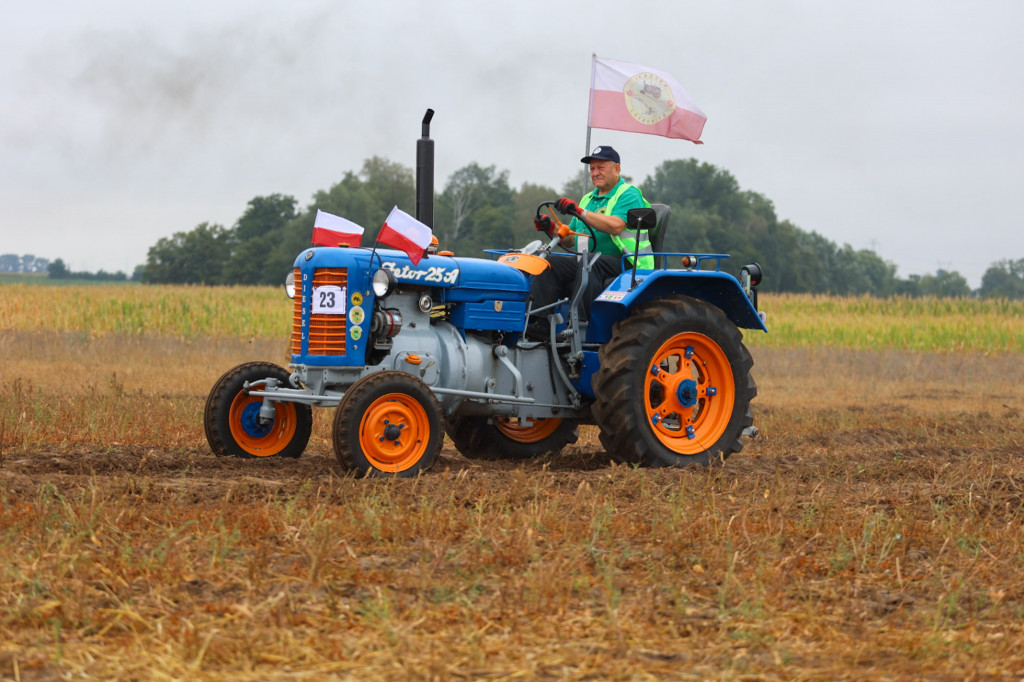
pixel 478 209
pixel 58 270
pixel 26 264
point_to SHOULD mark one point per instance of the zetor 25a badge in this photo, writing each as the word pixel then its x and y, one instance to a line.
pixel 435 274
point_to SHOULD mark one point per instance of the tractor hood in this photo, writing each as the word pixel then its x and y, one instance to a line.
pixel 460 279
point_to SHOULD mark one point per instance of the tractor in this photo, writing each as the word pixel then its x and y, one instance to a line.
pixel 407 353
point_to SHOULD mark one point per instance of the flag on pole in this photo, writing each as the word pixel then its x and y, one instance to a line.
pixel 332 230
pixel 405 233
pixel 639 99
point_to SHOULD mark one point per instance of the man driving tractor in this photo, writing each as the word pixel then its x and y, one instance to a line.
pixel 604 211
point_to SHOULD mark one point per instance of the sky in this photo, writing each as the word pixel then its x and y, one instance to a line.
pixel 887 125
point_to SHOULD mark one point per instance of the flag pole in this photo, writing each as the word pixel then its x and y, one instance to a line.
pixel 373 252
pixel 590 107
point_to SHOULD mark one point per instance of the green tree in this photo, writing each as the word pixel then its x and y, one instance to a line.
pixel 692 184
pixel 857 272
pixel 365 198
pixel 710 214
pixel 1004 279
pixel 254 237
pixel 945 284
pixel 476 211
pixel 195 257
pixel 264 215
pixel 524 208
pixel 389 184
pixel 57 270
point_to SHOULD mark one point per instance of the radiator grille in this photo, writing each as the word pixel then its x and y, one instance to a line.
pixel 327 332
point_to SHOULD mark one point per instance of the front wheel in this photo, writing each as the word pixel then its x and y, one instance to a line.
pixel 232 420
pixel 500 438
pixel 674 386
pixel 388 424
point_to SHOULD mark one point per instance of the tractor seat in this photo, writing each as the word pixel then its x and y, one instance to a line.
pixel 662 213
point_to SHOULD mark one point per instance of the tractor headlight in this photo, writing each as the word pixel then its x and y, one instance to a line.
pixel 383 282
pixel 753 273
pixel 289 284
pixel 750 277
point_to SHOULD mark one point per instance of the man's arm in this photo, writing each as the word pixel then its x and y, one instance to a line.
pixel 610 224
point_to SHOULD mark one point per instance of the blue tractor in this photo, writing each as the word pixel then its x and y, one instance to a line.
pixel 407 353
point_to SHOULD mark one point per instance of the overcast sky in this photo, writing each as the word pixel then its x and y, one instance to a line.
pixel 894 126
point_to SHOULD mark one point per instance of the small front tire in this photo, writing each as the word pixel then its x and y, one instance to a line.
pixel 231 416
pixel 388 424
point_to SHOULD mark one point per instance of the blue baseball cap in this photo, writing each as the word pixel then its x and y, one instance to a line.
pixel 602 154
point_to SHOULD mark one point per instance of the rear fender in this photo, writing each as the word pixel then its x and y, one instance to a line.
pixel 720 289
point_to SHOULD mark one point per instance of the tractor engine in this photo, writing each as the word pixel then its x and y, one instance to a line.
pixel 444 320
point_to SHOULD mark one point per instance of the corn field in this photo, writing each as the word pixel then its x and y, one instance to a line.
pixel 794 320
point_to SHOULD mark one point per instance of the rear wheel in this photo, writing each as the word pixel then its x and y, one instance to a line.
pixel 388 424
pixel 674 386
pixel 475 438
pixel 232 421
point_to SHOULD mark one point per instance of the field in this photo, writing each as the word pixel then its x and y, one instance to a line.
pixel 872 531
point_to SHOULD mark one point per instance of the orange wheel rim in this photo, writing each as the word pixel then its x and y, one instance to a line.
pixel 394 432
pixel 261 440
pixel 538 431
pixel 689 393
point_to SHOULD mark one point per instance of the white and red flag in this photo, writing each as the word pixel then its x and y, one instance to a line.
pixel 639 99
pixel 405 233
pixel 332 230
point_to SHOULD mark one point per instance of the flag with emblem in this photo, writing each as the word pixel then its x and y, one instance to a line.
pixel 639 99
pixel 403 232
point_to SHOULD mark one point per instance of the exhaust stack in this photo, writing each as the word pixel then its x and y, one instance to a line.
pixel 425 174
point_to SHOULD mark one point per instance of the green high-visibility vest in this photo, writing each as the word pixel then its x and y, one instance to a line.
pixel 627 239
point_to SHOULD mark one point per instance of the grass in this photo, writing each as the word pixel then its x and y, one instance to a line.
pixel 794 321
pixel 873 531
pixel 923 324
pixel 177 311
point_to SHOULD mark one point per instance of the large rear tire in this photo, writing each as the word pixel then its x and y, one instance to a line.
pixel 475 438
pixel 388 424
pixel 231 416
pixel 674 387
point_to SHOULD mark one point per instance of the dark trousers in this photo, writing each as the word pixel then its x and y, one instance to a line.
pixel 563 279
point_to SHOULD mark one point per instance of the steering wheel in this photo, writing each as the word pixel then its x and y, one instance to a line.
pixel 563 229
pixel 532 248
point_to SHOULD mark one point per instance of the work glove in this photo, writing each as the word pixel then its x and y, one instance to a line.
pixel 567 207
pixel 543 224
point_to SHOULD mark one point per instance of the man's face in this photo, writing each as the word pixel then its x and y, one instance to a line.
pixel 604 174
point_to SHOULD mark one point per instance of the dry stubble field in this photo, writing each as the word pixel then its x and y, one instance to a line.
pixel 873 531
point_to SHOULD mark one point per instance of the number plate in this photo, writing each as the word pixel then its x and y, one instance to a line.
pixel 329 300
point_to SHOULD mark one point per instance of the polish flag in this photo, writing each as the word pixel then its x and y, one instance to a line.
pixel 332 230
pixel 639 99
pixel 405 233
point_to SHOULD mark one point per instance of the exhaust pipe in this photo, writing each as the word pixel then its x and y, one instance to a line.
pixel 425 174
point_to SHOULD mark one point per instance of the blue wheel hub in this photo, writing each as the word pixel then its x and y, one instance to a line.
pixel 251 421
pixel 687 393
